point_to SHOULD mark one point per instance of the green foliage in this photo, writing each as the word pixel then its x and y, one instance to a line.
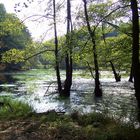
pixel 91 126
pixel 11 25
pixel 98 11
pixel 84 127
pixel 116 49
pixel 2 12
pixel 48 58
pixel 113 48
pixel 14 37
pixel 31 49
pixel 13 56
pixel 95 119
pixel 81 47
pixel 13 108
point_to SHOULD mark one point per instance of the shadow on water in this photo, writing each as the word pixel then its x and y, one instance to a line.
pixel 6 82
pixel 6 78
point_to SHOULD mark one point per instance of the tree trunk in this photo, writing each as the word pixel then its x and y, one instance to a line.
pixel 68 58
pixel 56 50
pixel 135 49
pixel 116 75
pixel 90 69
pixel 98 90
pixel 131 75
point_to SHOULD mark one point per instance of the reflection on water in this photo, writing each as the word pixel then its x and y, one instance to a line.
pixel 38 88
pixel 6 83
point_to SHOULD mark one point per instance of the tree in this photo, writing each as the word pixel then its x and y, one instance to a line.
pixel 56 50
pixel 115 52
pixel 13 37
pixel 98 90
pixel 2 18
pixel 2 12
pixel 135 49
pixel 65 90
pixel 68 55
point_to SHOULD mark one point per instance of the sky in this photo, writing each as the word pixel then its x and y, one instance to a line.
pixel 41 30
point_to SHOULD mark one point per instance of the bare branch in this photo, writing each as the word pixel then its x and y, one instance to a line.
pixel 49 87
pixel 40 16
pixel 119 7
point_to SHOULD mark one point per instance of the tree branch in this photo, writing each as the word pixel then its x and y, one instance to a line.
pixel 40 16
pixel 118 28
pixel 119 7
pixel 37 54
pixel 90 69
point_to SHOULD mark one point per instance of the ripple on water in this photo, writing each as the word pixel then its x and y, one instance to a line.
pixel 41 94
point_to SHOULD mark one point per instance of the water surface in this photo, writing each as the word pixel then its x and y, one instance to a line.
pixel 38 88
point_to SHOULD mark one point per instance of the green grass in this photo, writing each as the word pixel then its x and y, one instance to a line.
pixel 53 126
pixel 13 109
pixel 93 126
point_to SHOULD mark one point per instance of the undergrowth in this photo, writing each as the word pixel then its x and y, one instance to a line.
pixel 54 126
pixel 12 109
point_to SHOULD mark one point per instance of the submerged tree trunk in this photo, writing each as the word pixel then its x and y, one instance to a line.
pixel 131 75
pixel 56 50
pixel 98 90
pixel 68 58
pixel 135 49
pixel 116 75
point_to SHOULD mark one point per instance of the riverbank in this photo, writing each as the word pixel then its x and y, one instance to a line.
pixel 38 88
pixel 32 91
pixel 57 126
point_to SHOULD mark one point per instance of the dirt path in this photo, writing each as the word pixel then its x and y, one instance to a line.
pixel 22 130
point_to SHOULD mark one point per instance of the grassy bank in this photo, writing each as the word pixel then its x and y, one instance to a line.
pixel 13 109
pixel 20 124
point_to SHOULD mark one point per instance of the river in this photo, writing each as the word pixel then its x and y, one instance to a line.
pixel 38 89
